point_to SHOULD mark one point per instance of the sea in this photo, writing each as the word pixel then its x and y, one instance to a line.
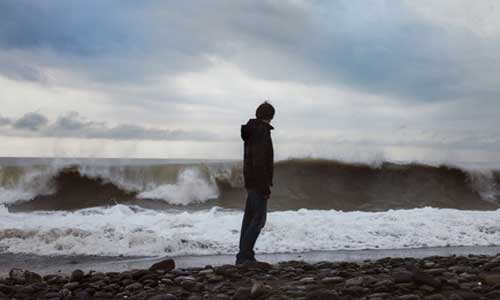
pixel 154 207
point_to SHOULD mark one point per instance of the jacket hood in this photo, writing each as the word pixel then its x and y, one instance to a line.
pixel 252 126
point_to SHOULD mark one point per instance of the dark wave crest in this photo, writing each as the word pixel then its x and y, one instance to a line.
pixel 311 184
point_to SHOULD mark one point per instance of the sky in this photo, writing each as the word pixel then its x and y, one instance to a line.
pixel 411 80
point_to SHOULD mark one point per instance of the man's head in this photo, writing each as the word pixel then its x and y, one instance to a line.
pixel 265 112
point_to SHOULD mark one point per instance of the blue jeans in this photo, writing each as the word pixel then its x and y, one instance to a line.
pixel 254 220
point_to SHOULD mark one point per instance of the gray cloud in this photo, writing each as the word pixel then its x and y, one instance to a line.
pixel 376 47
pixel 31 121
pixel 130 55
pixel 72 125
pixel 4 121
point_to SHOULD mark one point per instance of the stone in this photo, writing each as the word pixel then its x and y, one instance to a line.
pixel 180 279
pixel 215 278
pixel 426 288
pixel 425 279
pixel 136 274
pixel 207 272
pixel 354 281
pixel 435 297
pixel 71 285
pixel 307 280
pixel 163 297
pixel 23 276
pixel 65 293
pixel 435 271
pixel 259 265
pixel 322 294
pixel 77 276
pixel 102 294
pixel 332 280
pixel 455 297
pixel 165 265
pixel 133 287
pixel 410 297
pixel 384 282
pixel 491 279
pixel 226 270
pixel 493 263
pixel 355 290
pixel 5 288
pixel 402 277
pixel 259 290
pixel 241 294
pixel 466 295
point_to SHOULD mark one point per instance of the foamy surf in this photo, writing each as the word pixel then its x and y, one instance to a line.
pixel 132 231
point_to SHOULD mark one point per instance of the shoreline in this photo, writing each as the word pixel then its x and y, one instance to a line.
pixel 66 264
pixel 457 275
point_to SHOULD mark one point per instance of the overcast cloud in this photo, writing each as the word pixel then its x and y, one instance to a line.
pixel 409 79
pixel 72 125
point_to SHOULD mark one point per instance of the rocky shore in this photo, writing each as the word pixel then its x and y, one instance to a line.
pixel 432 278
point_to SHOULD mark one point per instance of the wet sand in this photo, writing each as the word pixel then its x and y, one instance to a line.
pixel 66 264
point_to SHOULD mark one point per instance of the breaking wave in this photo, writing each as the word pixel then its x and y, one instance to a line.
pixel 306 183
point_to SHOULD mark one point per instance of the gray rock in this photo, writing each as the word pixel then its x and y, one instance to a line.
pixel 189 285
pixel 226 270
pixel 77 276
pixel 71 285
pixel 23 276
pixel 322 294
pixel 409 297
pixel 332 280
pixel 242 294
pixel 134 286
pixel 5 288
pixel 102 294
pixel 307 280
pixel 165 265
pixel 495 262
pixel 258 265
pixel 259 290
pixel 206 272
pixel 435 297
pixel 215 278
pixel 466 295
pixel 163 297
pixel 455 297
pixel 65 293
pixel 424 278
pixel 491 279
pixel 402 277
pixel 354 281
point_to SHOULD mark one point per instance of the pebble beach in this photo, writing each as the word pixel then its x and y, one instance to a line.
pixel 430 278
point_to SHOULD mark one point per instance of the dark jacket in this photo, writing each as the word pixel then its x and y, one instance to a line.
pixel 258 164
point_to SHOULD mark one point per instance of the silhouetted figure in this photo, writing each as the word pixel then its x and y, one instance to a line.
pixel 258 172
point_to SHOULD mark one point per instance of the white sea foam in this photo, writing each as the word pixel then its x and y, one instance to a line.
pixel 33 181
pixel 484 182
pixel 134 231
pixel 190 188
pixel 8 196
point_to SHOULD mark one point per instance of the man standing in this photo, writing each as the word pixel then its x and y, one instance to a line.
pixel 258 172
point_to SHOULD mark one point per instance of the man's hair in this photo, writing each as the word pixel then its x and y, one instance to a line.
pixel 265 111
